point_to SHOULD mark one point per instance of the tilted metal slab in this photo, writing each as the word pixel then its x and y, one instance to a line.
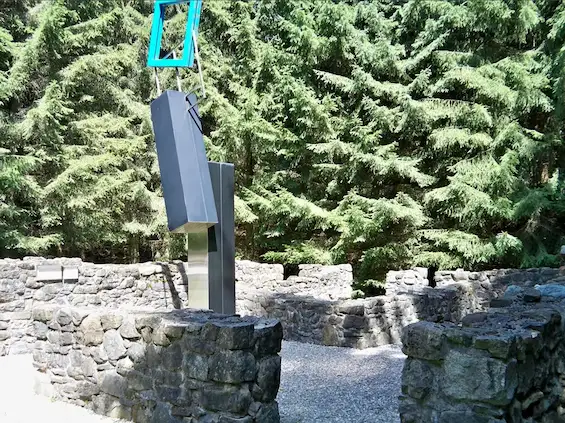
pixel 185 177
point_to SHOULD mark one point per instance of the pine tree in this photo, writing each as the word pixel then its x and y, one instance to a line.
pixel 385 134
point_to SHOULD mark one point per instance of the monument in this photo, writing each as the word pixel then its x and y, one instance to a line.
pixel 199 195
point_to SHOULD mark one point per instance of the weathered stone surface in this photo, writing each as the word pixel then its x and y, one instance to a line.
pixel 113 384
pixel 508 367
pixel 128 330
pixel 268 413
pixel 63 316
pixel 91 329
pixel 172 356
pixel 234 336
pixel 424 340
pixel 470 377
pixel 500 302
pixel 532 295
pixel 196 366
pixel 137 379
pixel 228 398
pixel 232 366
pixel 417 378
pixel 114 345
pixel 111 321
pixel 268 379
pixel 473 318
pixel 136 352
pixel 162 414
pixel 268 337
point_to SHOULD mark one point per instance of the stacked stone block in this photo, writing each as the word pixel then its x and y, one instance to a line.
pixel 160 367
pixel 497 367
pixel 313 306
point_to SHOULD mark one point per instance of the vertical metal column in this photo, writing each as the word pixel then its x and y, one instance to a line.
pixel 221 241
pixel 197 270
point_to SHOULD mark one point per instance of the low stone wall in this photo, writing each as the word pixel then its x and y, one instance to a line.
pixel 313 306
pixel 168 367
pixel 507 365
pixel 498 279
pixel 153 285
pixel 364 323
pixel 324 282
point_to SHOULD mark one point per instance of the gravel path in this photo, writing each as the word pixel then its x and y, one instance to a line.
pixel 339 385
pixel 318 385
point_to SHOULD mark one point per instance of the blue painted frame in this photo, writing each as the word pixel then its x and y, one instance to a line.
pixel 187 61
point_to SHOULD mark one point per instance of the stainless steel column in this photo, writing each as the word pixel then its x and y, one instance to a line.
pixel 197 270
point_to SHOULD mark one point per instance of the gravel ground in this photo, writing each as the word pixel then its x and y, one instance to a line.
pixel 339 385
pixel 318 385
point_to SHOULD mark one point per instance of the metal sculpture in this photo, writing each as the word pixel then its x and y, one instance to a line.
pixel 199 195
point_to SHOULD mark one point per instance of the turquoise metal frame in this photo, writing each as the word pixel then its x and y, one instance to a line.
pixel 187 59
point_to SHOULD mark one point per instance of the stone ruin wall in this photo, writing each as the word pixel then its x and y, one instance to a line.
pixel 506 365
pixel 149 367
pixel 314 306
pixel 369 322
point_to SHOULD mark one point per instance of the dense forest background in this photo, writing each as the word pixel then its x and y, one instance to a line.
pixel 384 133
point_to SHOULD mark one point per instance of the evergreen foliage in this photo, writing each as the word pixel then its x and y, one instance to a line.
pixel 384 133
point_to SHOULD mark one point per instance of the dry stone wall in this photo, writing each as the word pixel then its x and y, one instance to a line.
pixel 169 367
pixel 502 366
pixel 339 321
pixel 314 306
pixel 151 285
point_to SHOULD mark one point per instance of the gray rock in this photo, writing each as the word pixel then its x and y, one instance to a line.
pixel 196 366
pixel 43 314
pixel 136 352
pixel 532 295
pixel 113 384
pixel 172 356
pixel 268 337
pixel 268 413
pixel 477 378
pixel 162 414
pixel 466 417
pixel 227 398
pixel 268 379
pixel 139 381
pixel 232 366
pixel 91 329
pixel 500 302
pixel 424 340
pixel 513 291
pixel 128 330
pixel 113 345
pixel 63 316
pixel 417 378
pixel 111 321
pixel 160 338
pixel 234 336
pixel 473 319
pixel 553 291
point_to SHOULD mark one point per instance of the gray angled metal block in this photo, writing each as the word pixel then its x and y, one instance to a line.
pixel 185 177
